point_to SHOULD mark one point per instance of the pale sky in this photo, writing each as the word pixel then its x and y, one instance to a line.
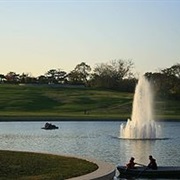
pixel 39 35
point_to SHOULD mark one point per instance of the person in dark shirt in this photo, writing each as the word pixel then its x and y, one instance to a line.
pixel 152 164
pixel 131 164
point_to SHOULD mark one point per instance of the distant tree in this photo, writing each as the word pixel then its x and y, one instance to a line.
pixel 12 77
pixel 27 78
pixel 42 79
pixel 23 78
pixel 112 74
pixel 173 80
pixel 56 76
pixel 128 84
pixel 75 78
pixel 80 74
pixel 51 76
pixel 172 71
pixel 83 69
pixel 159 83
pixel 102 76
pixel 2 78
pixel 61 76
pixel 166 83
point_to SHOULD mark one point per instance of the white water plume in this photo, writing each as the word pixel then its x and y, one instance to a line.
pixel 141 125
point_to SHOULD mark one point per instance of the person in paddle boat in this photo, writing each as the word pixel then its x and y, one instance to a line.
pixel 131 164
pixel 152 164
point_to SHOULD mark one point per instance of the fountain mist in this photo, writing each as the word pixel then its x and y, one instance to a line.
pixel 141 125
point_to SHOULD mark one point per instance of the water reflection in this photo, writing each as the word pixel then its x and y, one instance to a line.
pixel 139 149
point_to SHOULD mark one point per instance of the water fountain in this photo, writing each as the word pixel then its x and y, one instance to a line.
pixel 141 125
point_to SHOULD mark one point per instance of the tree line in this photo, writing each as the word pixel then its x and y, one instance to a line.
pixel 115 75
pixel 166 82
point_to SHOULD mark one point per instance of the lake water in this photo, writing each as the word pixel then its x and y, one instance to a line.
pixel 99 140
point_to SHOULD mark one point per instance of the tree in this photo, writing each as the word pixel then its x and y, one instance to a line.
pixel 42 79
pixel 51 76
pixel 56 76
pixel 102 76
pixel 159 83
pixel 12 77
pixel 83 69
pixel 27 78
pixel 172 71
pixel 75 78
pixel 112 74
pixel 80 74
pixel 121 69
pixel 61 76
pixel 166 83
pixel 2 78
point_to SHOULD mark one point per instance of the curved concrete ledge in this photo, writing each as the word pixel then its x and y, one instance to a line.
pixel 106 171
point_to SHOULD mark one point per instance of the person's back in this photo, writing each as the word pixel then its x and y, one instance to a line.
pixel 131 164
pixel 152 164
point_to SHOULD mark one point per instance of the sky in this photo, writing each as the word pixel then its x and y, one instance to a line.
pixel 39 35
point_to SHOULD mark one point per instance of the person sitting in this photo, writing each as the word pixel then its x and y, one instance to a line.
pixel 131 164
pixel 152 164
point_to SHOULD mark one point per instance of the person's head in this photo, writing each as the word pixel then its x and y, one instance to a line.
pixel 150 157
pixel 132 159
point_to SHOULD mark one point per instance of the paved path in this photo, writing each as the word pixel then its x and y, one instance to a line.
pixel 106 171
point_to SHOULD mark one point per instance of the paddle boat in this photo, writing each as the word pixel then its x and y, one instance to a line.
pixel 172 172
pixel 49 126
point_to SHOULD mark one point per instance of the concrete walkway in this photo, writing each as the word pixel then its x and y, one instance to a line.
pixel 106 171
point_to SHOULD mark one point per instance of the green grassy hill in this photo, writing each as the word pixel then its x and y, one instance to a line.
pixel 73 103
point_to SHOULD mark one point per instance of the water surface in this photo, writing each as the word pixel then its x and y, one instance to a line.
pixel 98 140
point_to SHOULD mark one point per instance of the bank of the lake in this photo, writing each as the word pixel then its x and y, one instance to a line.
pixel 28 165
pixel 60 103
pixel 66 119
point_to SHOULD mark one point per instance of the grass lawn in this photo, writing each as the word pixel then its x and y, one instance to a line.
pixel 36 166
pixel 39 101
pixel 74 103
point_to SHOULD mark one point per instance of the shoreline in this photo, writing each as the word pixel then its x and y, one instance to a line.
pixel 104 170
pixel 21 119
pixel 56 118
